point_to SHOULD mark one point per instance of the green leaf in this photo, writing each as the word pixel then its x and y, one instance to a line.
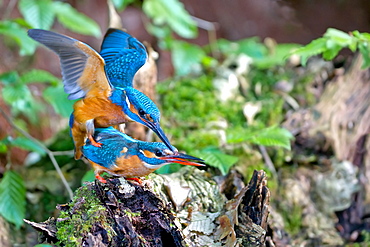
pixel 339 37
pixel 331 52
pixel 121 4
pixel 172 13
pixel 37 75
pixel 215 158
pixel 58 99
pixel 3 146
pixel 186 57
pixel 16 94
pixel 13 198
pixel 272 136
pixel 277 57
pixel 43 245
pixel 74 20
pixel 27 144
pixel 364 50
pixel 88 177
pixel 38 13
pixel 316 47
pixel 9 77
pixel 19 35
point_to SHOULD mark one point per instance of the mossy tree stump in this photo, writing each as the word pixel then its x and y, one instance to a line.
pixel 187 208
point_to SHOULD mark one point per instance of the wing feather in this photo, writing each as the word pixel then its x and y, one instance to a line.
pixel 82 67
pixel 123 55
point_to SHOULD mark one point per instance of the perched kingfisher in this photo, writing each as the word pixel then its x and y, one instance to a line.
pixel 101 104
pixel 121 155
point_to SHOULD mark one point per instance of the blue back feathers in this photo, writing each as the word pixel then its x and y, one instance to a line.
pixel 113 142
pixel 124 56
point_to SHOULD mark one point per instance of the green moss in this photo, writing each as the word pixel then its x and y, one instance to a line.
pixel 293 219
pixel 131 214
pixel 86 212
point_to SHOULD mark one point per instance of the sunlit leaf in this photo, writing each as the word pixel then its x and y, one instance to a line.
pixel 316 47
pixel 13 198
pixel 216 158
pixel 37 75
pixel 38 13
pixel 186 57
pixel 19 35
pixel 331 52
pixel 27 144
pixel 272 136
pixel 338 36
pixel 58 99
pixel 15 93
pixel 172 13
pixel 74 20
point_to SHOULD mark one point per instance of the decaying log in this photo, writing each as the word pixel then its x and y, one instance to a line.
pixel 182 209
pixel 340 122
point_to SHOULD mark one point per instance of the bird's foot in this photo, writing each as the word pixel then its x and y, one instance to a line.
pixel 94 143
pixel 138 180
pixel 101 179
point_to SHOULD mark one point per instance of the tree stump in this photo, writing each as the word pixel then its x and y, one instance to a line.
pixel 187 208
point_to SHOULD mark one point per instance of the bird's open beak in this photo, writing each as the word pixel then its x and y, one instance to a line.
pixel 183 159
pixel 158 130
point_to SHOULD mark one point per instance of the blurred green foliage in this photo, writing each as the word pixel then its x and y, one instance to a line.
pixel 13 198
pixel 333 41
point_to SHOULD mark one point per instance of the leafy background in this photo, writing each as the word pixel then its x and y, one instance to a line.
pixel 197 120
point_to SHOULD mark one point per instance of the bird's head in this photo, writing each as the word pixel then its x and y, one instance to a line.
pixel 156 154
pixel 140 108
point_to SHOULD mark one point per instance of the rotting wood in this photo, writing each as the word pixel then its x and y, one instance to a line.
pixel 122 213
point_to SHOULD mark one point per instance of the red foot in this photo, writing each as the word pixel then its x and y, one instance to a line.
pixel 94 143
pixel 102 180
pixel 135 179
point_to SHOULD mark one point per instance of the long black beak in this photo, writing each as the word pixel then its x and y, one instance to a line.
pixel 183 159
pixel 158 130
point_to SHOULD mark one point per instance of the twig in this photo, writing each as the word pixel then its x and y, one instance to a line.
pixel 49 153
pixel 60 153
pixel 268 161
pixel 212 35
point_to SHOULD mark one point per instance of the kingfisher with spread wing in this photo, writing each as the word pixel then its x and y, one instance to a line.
pixel 101 103
pixel 121 155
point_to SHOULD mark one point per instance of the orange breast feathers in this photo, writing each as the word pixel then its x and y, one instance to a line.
pixel 102 110
pixel 130 166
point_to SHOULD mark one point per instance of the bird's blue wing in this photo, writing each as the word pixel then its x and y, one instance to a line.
pixel 113 142
pixel 82 67
pixel 124 55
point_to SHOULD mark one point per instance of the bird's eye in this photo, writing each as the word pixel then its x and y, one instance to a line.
pixel 141 112
pixel 158 153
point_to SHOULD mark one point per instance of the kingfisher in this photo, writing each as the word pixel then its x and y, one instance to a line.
pixel 100 103
pixel 121 155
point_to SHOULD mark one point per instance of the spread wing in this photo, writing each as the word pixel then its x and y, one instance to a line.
pixel 82 67
pixel 124 56
pixel 115 145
